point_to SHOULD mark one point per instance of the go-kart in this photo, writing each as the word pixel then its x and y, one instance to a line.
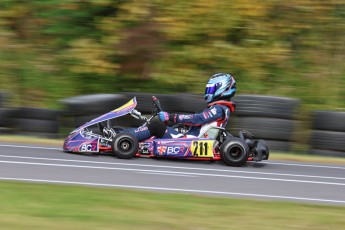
pixel 213 144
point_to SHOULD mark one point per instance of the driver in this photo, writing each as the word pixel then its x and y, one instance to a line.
pixel 220 88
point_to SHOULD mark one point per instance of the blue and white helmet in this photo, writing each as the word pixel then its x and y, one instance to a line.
pixel 221 86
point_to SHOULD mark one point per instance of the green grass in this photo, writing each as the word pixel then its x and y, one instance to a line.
pixel 41 206
pixel 30 140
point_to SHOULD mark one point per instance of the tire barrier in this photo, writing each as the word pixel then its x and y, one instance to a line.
pixel 125 121
pixel 189 103
pixel 145 104
pixel 283 146
pixel 328 133
pixel 35 122
pixel 81 109
pixel 266 128
pixel 268 118
pixel 93 103
pixel 5 114
pixel 265 106
pixel 328 120
pixel 4 123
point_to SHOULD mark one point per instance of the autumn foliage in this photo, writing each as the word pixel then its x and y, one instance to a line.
pixel 51 49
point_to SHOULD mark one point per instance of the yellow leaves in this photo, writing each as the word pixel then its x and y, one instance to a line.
pixel 250 8
pixel 91 57
pixel 136 10
pixel 202 7
pixel 14 12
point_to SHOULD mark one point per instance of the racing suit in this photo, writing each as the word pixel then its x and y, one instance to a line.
pixel 217 113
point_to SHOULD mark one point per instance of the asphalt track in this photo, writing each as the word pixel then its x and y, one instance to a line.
pixel 268 180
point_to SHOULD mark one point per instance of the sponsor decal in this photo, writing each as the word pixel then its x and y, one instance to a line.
pixel 170 150
pixel 181 117
pixel 145 145
pixel 214 111
pixel 164 142
pixel 173 150
pixel 92 147
pixel 140 129
pixel 161 149
pixel 205 115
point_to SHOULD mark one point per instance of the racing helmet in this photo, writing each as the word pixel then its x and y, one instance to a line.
pixel 221 86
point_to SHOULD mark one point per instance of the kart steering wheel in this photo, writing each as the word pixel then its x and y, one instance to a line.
pixel 157 104
pixel 181 128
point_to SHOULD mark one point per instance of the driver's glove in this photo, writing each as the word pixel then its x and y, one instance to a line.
pixel 163 116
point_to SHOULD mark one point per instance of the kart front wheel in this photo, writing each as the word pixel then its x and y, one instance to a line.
pixel 234 152
pixel 125 145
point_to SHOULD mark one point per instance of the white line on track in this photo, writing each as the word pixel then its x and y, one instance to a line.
pixel 165 174
pixel 305 165
pixel 174 190
pixel 180 173
pixel 268 162
pixel 31 147
pixel 174 167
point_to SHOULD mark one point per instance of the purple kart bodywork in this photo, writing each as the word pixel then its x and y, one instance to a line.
pixel 80 140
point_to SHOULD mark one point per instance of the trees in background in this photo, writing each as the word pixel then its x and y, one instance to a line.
pixel 50 49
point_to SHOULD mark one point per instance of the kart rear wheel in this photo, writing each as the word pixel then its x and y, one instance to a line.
pixel 125 145
pixel 234 152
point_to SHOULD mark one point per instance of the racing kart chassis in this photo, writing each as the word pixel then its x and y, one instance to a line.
pixel 214 144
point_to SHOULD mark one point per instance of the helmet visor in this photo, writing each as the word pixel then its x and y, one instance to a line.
pixel 210 89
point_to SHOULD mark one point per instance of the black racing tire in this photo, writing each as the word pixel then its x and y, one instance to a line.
pixel 81 120
pixel 125 145
pixel 265 106
pixel 328 140
pixel 39 134
pixel 124 121
pixel 280 146
pixel 93 103
pixel 145 102
pixel 265 128
pixel 38 113
pixel 7 118
pixel 234 152
pixel 329 120
pixel 36 125
pixel 3 117
pixel 189 103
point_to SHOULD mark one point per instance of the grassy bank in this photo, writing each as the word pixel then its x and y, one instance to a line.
pixel 38 206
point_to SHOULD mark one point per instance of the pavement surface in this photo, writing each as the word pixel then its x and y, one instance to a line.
pixel 268 180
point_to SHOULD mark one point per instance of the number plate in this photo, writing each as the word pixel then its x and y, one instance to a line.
pixel 202 148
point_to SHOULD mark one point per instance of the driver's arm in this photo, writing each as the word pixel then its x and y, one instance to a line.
pixel 213 113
